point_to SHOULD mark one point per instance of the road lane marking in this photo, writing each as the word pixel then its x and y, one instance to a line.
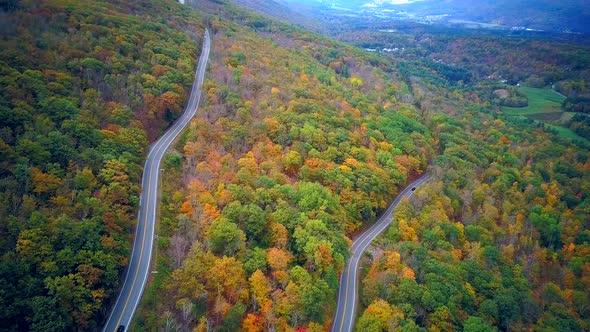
pixel 157 150
pixel 157 158
pixel 345 298
pixel 140 256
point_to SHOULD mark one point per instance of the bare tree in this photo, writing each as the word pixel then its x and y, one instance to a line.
pixel 186 308
pixel 169 322
pixel 180 246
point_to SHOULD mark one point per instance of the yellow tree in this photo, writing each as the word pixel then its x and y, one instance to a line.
pixel 259 287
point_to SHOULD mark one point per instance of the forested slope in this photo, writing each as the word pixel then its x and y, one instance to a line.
pixel 84 87
pixel 499 239
pixel 303 140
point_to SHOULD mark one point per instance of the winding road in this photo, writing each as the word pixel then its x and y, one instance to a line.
pixel 347 294
pixel 139 265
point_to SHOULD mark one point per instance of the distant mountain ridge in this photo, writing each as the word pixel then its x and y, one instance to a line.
pixel 563 16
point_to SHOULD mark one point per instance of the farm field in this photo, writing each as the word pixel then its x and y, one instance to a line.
pixel 544 106
pixel 568 133
pixel 544 101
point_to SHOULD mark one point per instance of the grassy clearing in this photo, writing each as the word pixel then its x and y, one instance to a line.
pixel 567 133
pixel 540 101
pixel 545 106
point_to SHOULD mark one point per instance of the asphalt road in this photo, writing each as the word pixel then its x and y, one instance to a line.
pixel 139 265
pixel 347 294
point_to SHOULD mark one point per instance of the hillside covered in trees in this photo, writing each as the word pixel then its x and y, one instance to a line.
pixel 300 143
pixel 492 63
pixel 303 141
pixel 497 241
pixel 84 87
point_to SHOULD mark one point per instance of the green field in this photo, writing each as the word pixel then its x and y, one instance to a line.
pixel 544 106
pixel 568 133
pixel 540 101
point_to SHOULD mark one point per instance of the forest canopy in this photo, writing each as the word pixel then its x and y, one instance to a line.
pixel 84 87
pixel 300 143
pixel 305 140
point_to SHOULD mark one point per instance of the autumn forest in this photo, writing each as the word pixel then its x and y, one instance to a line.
pixel 301 141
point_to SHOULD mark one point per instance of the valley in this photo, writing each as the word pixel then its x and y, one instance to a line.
pixel 528 16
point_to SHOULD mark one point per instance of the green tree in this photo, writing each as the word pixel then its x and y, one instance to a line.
pixel 477 324
pixel 224 237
